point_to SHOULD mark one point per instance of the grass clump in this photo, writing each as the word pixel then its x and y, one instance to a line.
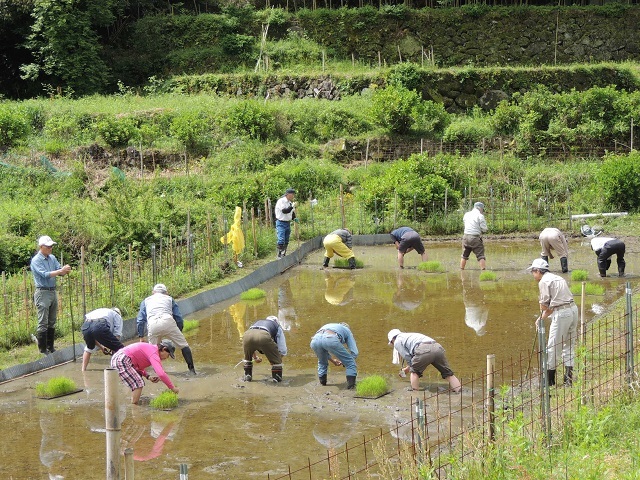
pixel 372 386
pixel 56 387
pixel 190 325
pixel 579 275
pixel 166 399
pixel 589 289
pixel 253 294
pixel 487 276
pixel 344 263
pixel 431 266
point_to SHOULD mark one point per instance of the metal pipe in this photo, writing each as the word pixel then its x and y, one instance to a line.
pixel 112 423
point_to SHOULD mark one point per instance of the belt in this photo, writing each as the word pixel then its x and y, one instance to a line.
pixel 258 328
pixel 566 305
pixel 330 333
pixel 46 288
pixel 95 320
pixel 284 221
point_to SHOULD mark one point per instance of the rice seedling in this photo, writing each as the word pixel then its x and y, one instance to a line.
pixel 344 263
pixel 55 387
pixel 487 276
pixel 372 386
pixel 165 400
pixel 431 266
pixel 190 325
pixel 589 289
pixel 253 294
pixel 579 275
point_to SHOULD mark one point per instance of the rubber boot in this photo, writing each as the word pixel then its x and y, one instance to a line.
pixel 351 382
pixel 603 273
pixel 280 250
pixel 51 336
pixel 568 376
pixel 325 264
pixel 248 370
pixel 352 263
pixel 188 357
pixel 564 263
pixel 620 272
pixel 276 372
pixel 323 380
pixel 41 338
pixel 551 377
pixel 545 258
pixel 284 250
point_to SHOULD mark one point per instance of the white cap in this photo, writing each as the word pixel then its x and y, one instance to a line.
pixel 539 263
pixel 46 241
pixel 160 287
pixel 393 334
pixel 117 310
pixel 478 205
pixel 273 318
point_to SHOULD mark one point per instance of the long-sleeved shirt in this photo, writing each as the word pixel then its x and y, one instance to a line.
pixel 276 332
pixel 345 236
pixel 110 316
pixel 41 268
pixel 144 355
pixel 284 209
pixel 158 306
pixel 346 337
pixel 474 222
pixel 405 344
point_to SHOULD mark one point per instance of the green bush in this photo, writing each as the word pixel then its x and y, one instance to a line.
pixel 392 108
pixel 431 119
pixel 252 119
pixel 619 182
pixel 469 129
pixel 117 131
pixel 14 127
pixel 193 130
pixel 406 75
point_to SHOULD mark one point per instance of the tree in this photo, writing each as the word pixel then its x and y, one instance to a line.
pixel 65 44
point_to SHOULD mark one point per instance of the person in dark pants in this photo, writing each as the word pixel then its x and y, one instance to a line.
pixel 45 268
pixel 102 330
pixel 605 248
pixel 267 337
pixel 405 240
pixel 420 351
pixel 285 214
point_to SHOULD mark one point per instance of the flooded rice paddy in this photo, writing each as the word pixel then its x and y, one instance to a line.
pixel 226 428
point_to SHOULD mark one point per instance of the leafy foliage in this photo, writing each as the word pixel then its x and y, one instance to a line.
pixel 392 108
pixel 13 126
pixel 619 180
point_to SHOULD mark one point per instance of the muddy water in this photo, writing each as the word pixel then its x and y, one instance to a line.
pixel 225 428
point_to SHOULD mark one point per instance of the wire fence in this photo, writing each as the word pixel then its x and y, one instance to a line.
pixel 447 429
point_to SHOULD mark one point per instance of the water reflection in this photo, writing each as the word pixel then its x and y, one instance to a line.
pixel 52 445
pixel 409 291
pixel 335 431
pixel 476 311
pixel 339 287
pixel 147 436
pixel 286 310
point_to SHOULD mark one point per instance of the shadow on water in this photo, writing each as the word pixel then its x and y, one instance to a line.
pixel 225 428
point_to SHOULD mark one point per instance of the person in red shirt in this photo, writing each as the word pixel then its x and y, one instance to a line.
pixel 132 361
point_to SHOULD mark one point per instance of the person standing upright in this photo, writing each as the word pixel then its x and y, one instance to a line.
pixel 339 242
pixel 159 312
pixel 285 214
pixel 554 239
pixel 45 268
pixel 605 248
pixel 406 239
pixel 556 301
pixel 474 226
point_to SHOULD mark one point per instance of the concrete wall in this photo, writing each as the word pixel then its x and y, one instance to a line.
pixel 196 302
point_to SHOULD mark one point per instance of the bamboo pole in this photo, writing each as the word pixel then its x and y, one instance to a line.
pixel 491 365
pixel 112 423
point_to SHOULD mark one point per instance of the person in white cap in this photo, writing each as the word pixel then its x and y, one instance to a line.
pixel 132 362
pixel 554 239
pixel 101 330
pixel 420 351
pixel 267 337
pixel 285 211
pixel 45 268
pixel 556 301
pixel 160 315
pixel 474 226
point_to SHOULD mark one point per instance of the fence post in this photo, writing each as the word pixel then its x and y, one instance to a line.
pixel 629 321
pixel 112 423
pixel 421 423
pixel 184 471
pixel 342 206
pixel 491 364
pixel 128 464
pixel 583 337
pixel 544 385
pixel 154 274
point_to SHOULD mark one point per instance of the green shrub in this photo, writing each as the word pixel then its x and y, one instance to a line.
pixel 619 181
pixel 579 275
pixel 253 294
pixel 55 387
pixel 193 130
pixel 487 276
pixel 468 130
pixel 165 400
pixel 431 118
pixel 372 386
pixel 252 119
pixel 117 131
pixel 392 108
pixel 430 266
pixel 14 127
pixel 406 75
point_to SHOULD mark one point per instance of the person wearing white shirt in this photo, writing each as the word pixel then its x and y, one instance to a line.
pixel 474 226
pixel 605 247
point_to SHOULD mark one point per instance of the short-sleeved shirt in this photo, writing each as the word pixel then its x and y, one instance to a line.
pixel 554 291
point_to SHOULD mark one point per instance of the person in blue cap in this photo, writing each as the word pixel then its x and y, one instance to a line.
pixel 285 212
